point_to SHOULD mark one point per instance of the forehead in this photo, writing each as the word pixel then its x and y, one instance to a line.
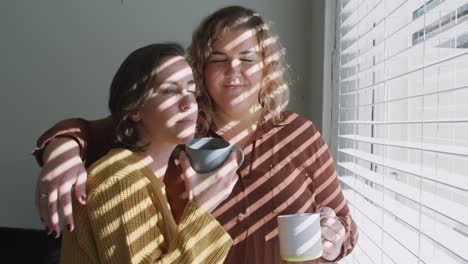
pixel 236 41
pixel 173 68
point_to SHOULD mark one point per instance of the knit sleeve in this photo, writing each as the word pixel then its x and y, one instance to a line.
pixel 92 137
pixel 328 191
pixel 127 225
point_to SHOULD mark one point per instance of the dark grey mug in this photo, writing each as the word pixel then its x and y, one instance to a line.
pixel 207 154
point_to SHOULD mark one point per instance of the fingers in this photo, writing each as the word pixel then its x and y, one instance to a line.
pixel 326 212
pixel 65 194
pixel 65 203
pixel 47 199
pixel 328 233
pixel 37 202
pixel 233 156
pixel 209 189
pixel 43 212
pixel 41 207
pixel 187 170
pixel 329 224
pixel 333 233
pixel 232 183
pixel 42 199
pixel 80 185
pixel 228 168
pixel 221 189
pixel 52 217
pixel 330 250
pixel 185 164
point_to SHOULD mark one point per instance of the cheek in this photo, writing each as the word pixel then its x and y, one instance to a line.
pixel 154 114
pixel 256 77
pixel 212 77
pixel 165 103
pixel 149 117
pixel 170 115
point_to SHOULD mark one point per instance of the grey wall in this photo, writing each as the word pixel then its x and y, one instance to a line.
pixel 58 57
pixel 311 97
pixel 330 95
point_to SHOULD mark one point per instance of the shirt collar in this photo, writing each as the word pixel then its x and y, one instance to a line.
pixel 266 127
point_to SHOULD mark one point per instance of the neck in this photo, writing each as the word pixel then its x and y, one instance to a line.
pixel 237 129
pixel 157 156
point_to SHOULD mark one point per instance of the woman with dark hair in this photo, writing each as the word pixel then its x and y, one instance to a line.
pixel 127 218
pixel 238 68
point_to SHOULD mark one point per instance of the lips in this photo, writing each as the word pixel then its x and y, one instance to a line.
pixel 230 86
pixel 186 121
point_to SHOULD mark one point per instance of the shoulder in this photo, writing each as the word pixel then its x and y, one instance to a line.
pixel 114 158
pixel 119 167
pixel 299 131
pixel 294 119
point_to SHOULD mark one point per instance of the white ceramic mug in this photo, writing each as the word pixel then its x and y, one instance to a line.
pixel 300 236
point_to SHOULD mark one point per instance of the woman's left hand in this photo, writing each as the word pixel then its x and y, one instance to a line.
pixel 333 234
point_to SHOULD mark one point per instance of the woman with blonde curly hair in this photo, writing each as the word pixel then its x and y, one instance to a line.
pixel 273 92
pixel 242 96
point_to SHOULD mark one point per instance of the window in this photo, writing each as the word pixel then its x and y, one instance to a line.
pixel 402 145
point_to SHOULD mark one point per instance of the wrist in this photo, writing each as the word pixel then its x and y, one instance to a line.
pixel 60 146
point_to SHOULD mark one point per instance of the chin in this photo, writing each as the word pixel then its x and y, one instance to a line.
pixel 184 133
pixel 185 137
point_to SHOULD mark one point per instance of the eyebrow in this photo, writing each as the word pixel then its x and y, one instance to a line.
pixel 175 82
pixel 250 51
pixel 168 82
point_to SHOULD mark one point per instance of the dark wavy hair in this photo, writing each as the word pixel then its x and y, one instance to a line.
pixel 131 86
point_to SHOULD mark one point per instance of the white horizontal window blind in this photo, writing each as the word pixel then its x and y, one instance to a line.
pixel 402 146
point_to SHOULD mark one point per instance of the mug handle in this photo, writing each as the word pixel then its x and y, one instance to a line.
pixel 241 152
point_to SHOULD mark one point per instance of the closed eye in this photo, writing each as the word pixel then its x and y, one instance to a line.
pixel 217 60
pixel 247 60
pixel 168 91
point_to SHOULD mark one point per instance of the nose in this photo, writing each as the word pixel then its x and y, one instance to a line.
pixel 187 101
pixel 234 67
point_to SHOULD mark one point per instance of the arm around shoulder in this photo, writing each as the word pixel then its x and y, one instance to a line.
pixel 77 129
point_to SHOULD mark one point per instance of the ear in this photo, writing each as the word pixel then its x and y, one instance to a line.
pixel 135 117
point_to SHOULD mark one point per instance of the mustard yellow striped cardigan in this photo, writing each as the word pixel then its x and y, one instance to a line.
pixel 127 219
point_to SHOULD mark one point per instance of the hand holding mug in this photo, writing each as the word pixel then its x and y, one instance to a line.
pixel 208 190
pixel 309 236
pixel 333 233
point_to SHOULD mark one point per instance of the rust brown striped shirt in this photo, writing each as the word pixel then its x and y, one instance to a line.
pixel 287 169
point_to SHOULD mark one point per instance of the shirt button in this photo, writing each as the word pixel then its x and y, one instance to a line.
pixel 241 217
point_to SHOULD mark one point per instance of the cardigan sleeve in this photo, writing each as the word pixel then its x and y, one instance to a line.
pixel 93 137
pixel 328 191
pixel 127 227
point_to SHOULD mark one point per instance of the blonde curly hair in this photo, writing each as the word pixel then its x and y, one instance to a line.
pixel 274 92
